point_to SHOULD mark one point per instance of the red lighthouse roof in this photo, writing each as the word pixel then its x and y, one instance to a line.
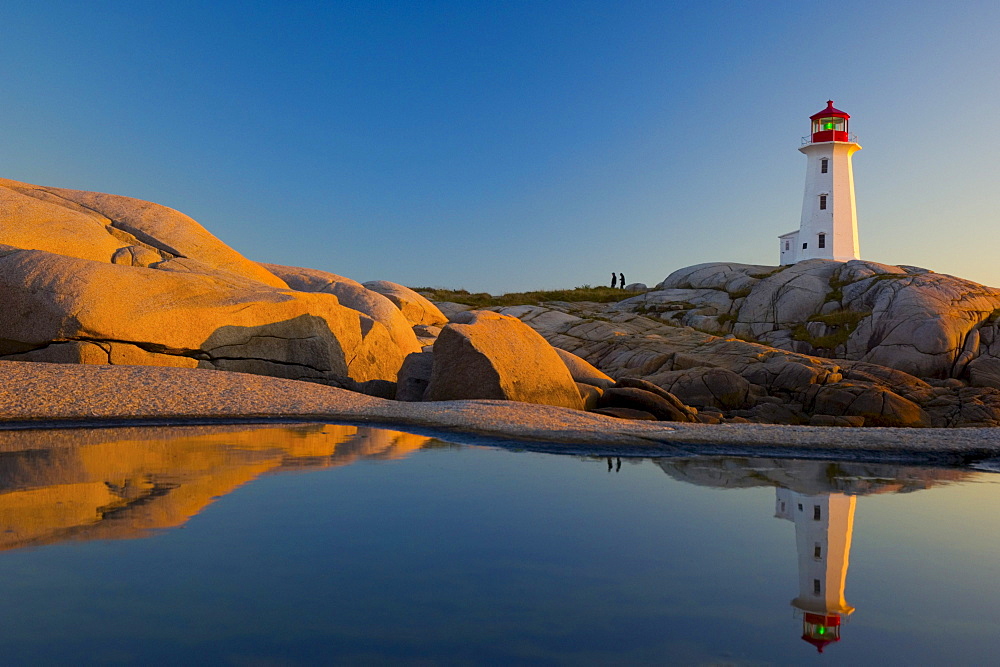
pixel 830 124
pixel 829 112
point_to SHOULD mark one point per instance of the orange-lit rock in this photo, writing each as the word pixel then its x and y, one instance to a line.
pixel 417 308
pixel 58 303
pixel 354 295
pixel 96 226
pixel 496 356
pixel 94 278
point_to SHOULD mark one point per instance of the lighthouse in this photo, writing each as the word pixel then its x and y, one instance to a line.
pixel 829 225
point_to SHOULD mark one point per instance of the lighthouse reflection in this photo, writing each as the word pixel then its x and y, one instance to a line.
pixel 823 527
pixel 123 483
pixel 819 498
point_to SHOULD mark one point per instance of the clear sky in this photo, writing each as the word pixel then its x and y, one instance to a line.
pixel 503 146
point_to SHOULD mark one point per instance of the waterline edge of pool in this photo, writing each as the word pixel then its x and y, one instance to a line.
pixel 37 396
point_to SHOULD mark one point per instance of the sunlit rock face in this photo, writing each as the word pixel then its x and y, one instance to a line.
pixel 95 278
pixel 356 296
pixel 416 307
pixel 99 227
pixel 125 482
pixel 493 356
pixel 923 323
pixel 584 372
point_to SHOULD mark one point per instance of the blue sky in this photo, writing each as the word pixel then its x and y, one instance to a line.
pixel 502 146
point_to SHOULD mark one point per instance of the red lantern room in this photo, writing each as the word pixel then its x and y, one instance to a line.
pixel 829 125
pixel 821 629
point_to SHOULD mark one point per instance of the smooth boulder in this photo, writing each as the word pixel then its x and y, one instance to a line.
pixel 355 296
pixel 494 356
pixel 645 401
pixel 583 371
pixel 415 307
pixel 415 376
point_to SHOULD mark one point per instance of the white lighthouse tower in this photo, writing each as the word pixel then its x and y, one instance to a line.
pixel 829 226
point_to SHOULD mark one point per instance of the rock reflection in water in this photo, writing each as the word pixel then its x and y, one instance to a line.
pixel 120 483
pixel 819 497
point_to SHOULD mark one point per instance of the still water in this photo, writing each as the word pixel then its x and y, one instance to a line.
pixel 314 544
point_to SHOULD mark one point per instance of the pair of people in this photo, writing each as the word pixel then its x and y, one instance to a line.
pixel 614 280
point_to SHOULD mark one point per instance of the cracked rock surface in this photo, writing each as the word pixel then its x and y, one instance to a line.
pixel 94 278
pixel 923 323
pixel 733 380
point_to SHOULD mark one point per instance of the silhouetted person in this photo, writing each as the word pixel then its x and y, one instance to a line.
pixel 609 464
pixel 618 465
pixel 613 279
pixel 622 276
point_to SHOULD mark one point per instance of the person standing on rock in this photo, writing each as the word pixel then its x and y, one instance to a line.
pixel 622 280
pixel 613 279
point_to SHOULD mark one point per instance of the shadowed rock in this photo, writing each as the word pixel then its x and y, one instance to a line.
pixel 878 405
pixel 645 385
pixel 715 387
pixel 626 413
pixel 590 394
pixel 647 401
pixel 415 376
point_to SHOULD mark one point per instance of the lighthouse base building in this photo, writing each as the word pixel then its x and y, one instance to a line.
pixel 829 225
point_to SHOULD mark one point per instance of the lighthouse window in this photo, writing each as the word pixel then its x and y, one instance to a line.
pixel 818 552
pixel 824 165
pixel 816 513
pixel 822 202
pixel 805 245
pixel 817 587
pixel 822 241
pixel 787 245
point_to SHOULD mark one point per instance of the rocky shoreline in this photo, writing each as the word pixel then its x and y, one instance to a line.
pixel 45 396
pixel 127 300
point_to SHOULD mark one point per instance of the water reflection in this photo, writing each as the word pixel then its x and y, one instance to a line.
pixel 125 482
pixel 819 497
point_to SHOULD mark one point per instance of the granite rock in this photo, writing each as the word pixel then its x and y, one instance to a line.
pixel 646 401
pixel 355 296
pixel 709 387
pixel 499 357
pixel 415 307
pixel 583 371
pixel 66 308
pixel 414 376
pixel 97 226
